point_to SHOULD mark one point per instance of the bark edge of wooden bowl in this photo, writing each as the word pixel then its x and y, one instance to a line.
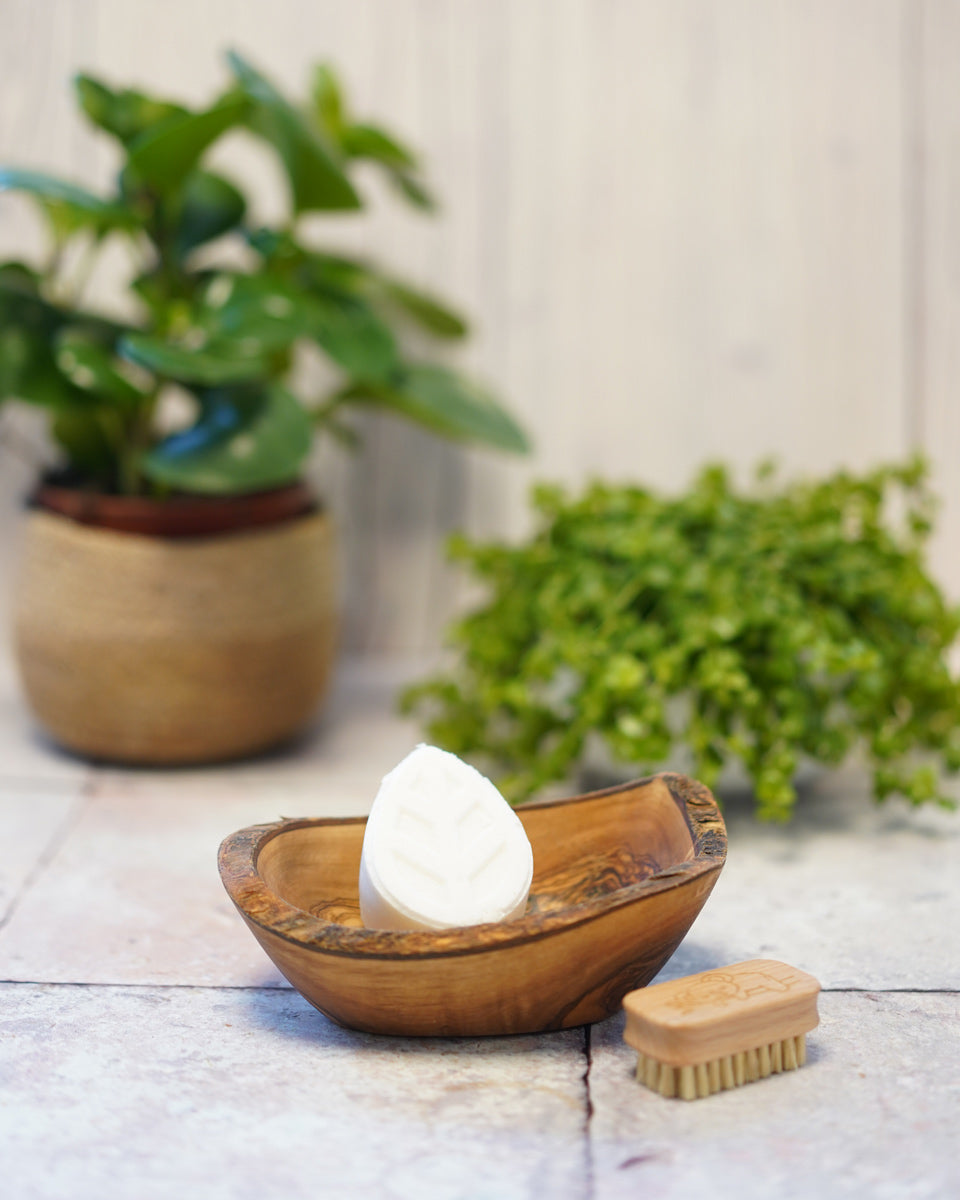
pixel 619 877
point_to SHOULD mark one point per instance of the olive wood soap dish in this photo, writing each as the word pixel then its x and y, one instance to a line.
pixel 619 877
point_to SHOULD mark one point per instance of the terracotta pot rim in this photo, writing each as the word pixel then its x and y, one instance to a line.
pixel 178 516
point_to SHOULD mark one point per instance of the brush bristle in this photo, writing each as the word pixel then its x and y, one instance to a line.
pixel 703 1079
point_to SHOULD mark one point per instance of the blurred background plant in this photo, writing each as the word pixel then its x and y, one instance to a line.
pixel 226 336
pixel 792 622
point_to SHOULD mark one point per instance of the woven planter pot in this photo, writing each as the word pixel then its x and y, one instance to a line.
pixel 175 649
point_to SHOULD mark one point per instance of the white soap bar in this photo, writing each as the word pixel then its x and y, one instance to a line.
pixel 442 848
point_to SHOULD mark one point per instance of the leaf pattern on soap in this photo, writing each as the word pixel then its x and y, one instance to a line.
pixel 450 850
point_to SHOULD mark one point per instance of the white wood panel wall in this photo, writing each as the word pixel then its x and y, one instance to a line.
pixel 705 229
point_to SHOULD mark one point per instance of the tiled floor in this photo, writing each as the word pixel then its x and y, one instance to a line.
pixel 149 1050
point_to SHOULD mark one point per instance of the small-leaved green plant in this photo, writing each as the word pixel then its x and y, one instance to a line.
pixel 769 626
pixel 227 335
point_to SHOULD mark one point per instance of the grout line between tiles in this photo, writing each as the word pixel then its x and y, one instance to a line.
pixel 49 852
pixel 893 991
pixel 186 987
pixel 282 987
pixel 589 1171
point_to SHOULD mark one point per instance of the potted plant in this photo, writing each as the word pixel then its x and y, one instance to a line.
pixel 177 600
pixel 790 623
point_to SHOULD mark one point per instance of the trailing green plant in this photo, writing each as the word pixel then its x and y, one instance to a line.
pixel 228 336
pixel 781 623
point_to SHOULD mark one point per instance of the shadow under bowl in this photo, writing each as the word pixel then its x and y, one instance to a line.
pixel 619 877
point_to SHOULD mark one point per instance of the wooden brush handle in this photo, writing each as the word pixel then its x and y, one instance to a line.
pixel 721 1012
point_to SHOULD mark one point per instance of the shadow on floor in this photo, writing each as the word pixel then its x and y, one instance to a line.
pixel 283 1013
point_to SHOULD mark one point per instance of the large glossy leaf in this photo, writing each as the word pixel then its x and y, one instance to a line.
pixel 68 206
pixel 242 442
pixel 46 187
pixel 269 313
pixel 167 153
pixel 359 140
pixel 27 371
pixel 206 366
pixel 125 114
pixel 355 337
pixel 334 275
pixel 151 288
pixel 276 245
pixel 28 326
pixel 370 142
pixel 374 143
pixel 83 438
pixel 413 190
pixel 350 282
pixel 328 103
pixel 211 207
pixel 23 304
pixel 258 314
pixel 17 279
pixel 447 403
pixel 316 180
pixel 90 366
pixel 426 310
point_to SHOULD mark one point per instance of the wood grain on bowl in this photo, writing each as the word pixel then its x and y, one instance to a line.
pixel 619 877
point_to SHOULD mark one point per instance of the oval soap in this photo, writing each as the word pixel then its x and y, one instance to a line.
pixel 442 848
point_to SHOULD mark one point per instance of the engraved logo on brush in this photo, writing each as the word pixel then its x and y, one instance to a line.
pixel 722 987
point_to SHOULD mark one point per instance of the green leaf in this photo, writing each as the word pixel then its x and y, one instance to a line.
pixel 91 367
pixel 125 114
pixel 426 310
pixel 334 276
pixel 623 605
pixel 17 279
pixel 449 404
pixel 316 180
pixel 273 312
pixel 354 337
pixel 361 140
pixel 413 190
pixel 327 97
pixel 275 245
pixel 46 187
pixel 27 370
pixel 164 155
pixel 207 366
pixel 28 326
pixel 243 442
pixel 211 207
pixel 152 291
pixel 68 206
pixel 83 439
pixel 372 142
pixel 259 311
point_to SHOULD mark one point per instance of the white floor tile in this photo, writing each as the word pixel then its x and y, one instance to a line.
pixel 875 1114
pixel 152 1093
pixel 860 895
pixel 32 822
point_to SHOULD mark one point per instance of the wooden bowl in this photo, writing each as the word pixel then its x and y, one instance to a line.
pixel 619 877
